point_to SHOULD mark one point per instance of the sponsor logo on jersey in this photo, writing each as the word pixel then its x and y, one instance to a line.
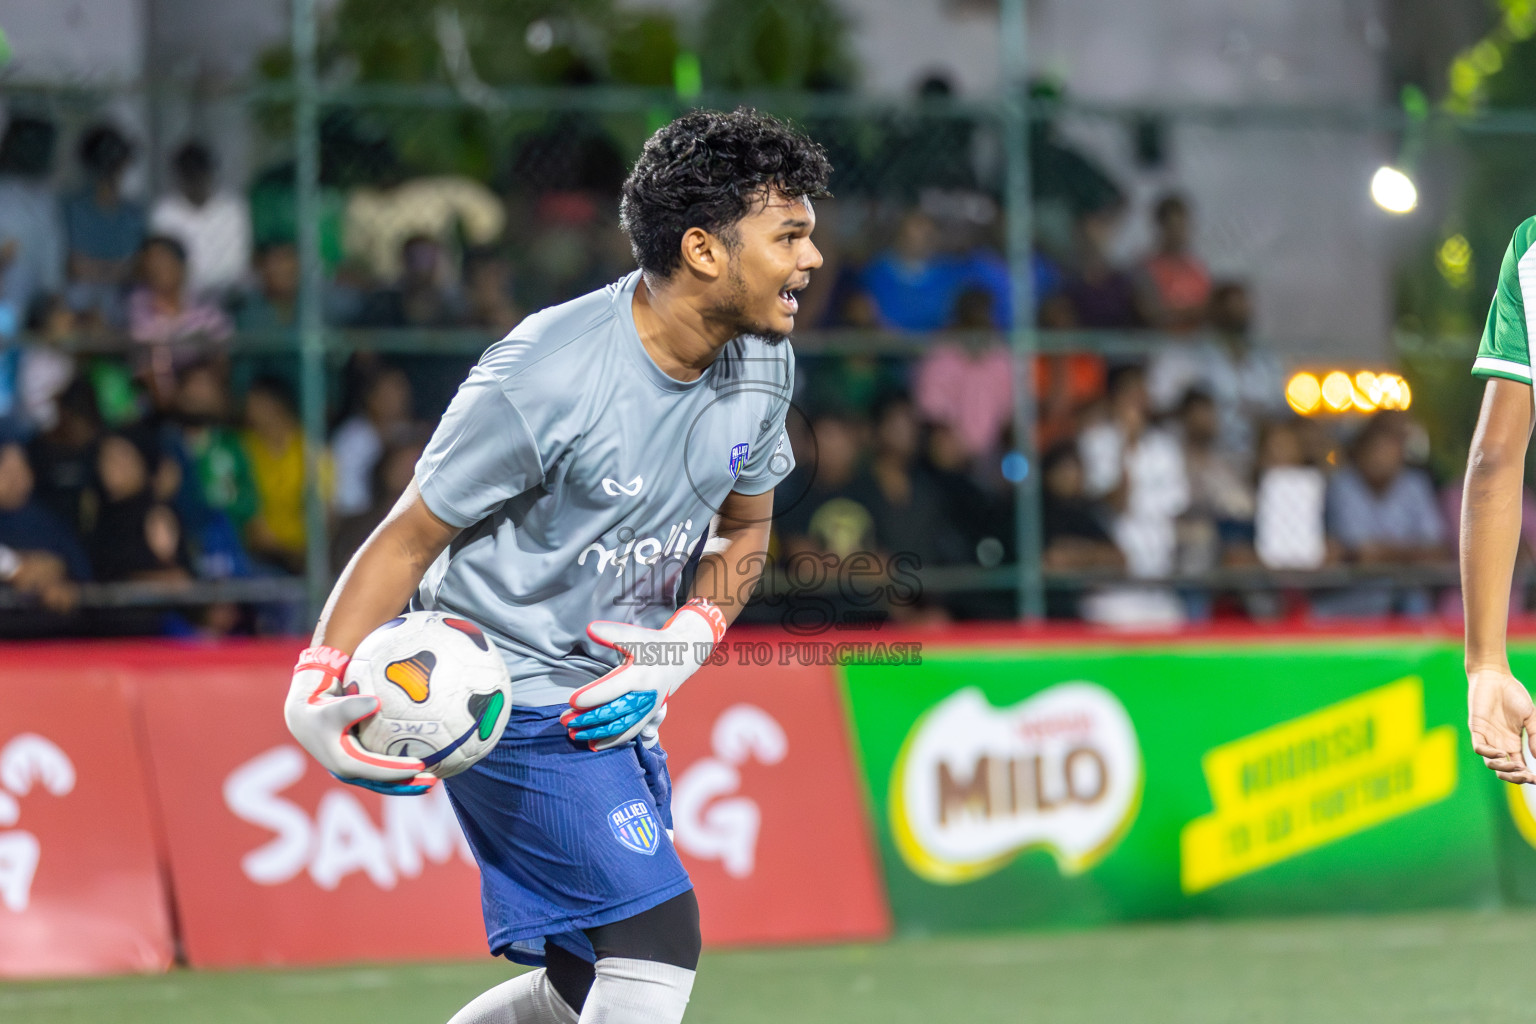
pixel 634 825
pixel 738 458
pixel 413 675
pixel 646 550
pixel 976 785
pixel 613 488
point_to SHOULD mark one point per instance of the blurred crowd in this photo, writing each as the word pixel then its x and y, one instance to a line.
pixel 172 458
pixel 1184 468
pixel 1153 515
pixel 192 487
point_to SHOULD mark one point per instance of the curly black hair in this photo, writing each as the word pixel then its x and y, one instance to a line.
pixel 706 170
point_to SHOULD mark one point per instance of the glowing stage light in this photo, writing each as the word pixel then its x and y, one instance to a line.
pixel 1303 393
pixel 1338 391
pixel 1393 190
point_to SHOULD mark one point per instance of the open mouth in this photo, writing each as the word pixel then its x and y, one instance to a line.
pixel 789 298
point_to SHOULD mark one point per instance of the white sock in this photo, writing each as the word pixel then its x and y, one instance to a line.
pixel 637 992
pixel 526 999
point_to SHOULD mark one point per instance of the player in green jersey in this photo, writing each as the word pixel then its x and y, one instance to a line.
pixel 1499 707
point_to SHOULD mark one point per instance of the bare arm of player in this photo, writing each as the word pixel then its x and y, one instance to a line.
pixel 384 573
pixel 373 588
pixel 1498 705
pixel 736 553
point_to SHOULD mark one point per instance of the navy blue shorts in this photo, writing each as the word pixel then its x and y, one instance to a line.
pixel 566 838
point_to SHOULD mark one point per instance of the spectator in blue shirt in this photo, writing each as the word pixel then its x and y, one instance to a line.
pixel 913 284
pixel 39 554
pixel 104 228
pixel 1383 513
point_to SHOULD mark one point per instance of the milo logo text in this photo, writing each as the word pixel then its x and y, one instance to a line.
pixel 975 785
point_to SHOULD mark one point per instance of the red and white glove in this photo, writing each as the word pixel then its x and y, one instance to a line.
pixel 321 714
pixel 615 709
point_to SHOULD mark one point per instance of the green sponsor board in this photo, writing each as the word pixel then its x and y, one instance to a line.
pixel 1074 786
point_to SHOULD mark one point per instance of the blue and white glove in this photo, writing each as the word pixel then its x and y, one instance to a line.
pixel 613 710
pixel 321 713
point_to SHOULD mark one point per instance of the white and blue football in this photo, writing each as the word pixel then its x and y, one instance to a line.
pixel 443 690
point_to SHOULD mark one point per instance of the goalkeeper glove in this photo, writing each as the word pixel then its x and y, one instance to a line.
pixel 614 709
pixel 321 713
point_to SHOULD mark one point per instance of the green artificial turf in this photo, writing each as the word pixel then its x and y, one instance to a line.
pixel 1445 967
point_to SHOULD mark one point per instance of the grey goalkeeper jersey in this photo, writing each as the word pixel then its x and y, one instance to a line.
pixel 584 478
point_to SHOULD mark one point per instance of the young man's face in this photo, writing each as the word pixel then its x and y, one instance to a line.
pixel 772 259
pixel 197 186
pixel 279 271
pixel 163 270
pixel 1065 478
pixel 201 396
pixel 1381 459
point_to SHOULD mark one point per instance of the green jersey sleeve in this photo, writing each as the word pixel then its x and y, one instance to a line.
pixel 1506 349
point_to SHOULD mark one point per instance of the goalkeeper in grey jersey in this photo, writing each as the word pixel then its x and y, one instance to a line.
pixel 587 460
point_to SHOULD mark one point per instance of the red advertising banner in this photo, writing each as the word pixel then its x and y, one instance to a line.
pixel 769 820
pixel 80 885
pixel 273 861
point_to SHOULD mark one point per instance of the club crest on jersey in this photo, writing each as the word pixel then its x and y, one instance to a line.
pixel 635 826
pixel 738 458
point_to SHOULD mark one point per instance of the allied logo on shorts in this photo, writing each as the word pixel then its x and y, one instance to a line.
pixel 413 675
pixel 738 458
pixel 635 826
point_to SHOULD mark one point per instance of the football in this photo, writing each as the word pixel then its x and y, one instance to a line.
pixel 443 690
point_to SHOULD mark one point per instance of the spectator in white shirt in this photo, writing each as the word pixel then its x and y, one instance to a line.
pixel 214 225
pixel 1139 469
pixel 383 419
pixel 1219 520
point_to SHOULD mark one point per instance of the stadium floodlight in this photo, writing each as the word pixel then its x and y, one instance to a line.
pixel 1393 190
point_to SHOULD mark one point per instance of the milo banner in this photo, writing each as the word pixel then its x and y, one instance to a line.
pixel 1059 785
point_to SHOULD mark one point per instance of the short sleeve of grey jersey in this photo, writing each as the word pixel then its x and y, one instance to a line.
pixel 481 454
pixel 772 458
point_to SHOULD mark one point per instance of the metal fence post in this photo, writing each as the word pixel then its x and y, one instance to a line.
pixel 306 128
pixel 1013 39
